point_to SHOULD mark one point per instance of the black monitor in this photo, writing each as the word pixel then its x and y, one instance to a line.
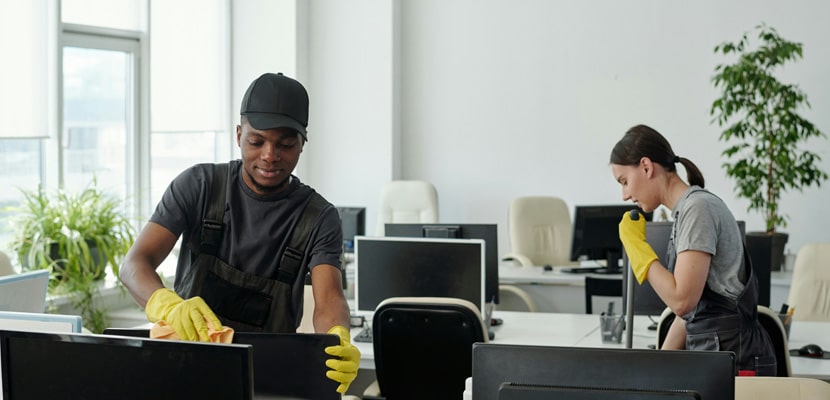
pixel 300 372
pixel 519 391
pixel 596 234
pixel 353 223
pixel 52 365
pixel 486 232
pixel 711 374
pixel 646 301
pixel 418 267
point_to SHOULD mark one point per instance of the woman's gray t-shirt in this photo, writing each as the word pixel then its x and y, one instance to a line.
pixel 703 222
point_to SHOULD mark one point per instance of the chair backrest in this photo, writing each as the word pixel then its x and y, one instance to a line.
pixel 770 387
pixel 769 321
pixel 540 229
pixel 6 265
pixel 423 346
pixel 810 287
pixel 775 329
pixel 663 324
pixel 407 202
pixel 608 287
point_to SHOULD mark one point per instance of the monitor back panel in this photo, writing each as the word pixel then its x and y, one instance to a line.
pixel 286 365
pixel 24 292
pixel 709 373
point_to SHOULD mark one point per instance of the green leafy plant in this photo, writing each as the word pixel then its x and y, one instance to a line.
pixel 766 134
pixel 76 236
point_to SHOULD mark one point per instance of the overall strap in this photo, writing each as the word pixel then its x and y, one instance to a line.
pixel 212 221
pixel 293 254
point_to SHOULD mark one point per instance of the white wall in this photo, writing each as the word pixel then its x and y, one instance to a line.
pixel 502 98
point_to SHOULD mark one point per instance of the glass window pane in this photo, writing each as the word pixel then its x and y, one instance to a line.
pixel 167 160
pixel 116 14
pixel 19 169
pixel 95 118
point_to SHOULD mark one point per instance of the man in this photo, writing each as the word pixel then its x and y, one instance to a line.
pixel 250 234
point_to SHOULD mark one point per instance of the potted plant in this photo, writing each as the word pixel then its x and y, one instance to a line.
pixel 767 137
pixel 76 236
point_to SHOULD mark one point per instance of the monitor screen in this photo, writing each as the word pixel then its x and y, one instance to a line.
pixel 353 222
pixel 24 292
pixel 596 234
pixel 518 391
pixel 486 232
pixel 418 267
pixel 46 365
pixel 711 374
pixel 646 301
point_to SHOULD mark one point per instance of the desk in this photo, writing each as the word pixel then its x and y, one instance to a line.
pixel 553 291
pixel 582 330
pixel 561 292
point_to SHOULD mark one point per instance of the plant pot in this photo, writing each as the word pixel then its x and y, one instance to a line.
pixel 767 254
pixel 97 269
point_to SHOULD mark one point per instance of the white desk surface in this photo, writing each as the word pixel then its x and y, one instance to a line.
pixel 582 330
pixel 518 274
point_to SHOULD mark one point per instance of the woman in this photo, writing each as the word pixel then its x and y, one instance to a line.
pixel 708 282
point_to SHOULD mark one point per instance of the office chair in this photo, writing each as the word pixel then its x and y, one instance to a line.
pixel 540 231
pixel 769 321
pixel 407 202
pixel 423 347
pixel 6 265
pixel 810 287
pixel 609 287
pixel 663 324
pixel 771 387
pixel 508 294
pixel 775 329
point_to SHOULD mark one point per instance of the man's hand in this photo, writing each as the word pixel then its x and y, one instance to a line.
pixel 344 369
pixel 187 317
pixel 640 253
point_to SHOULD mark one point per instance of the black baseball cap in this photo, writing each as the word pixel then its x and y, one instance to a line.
pixel 276 101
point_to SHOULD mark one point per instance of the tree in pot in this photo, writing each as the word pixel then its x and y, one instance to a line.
pixel 766 135
pixel 77 237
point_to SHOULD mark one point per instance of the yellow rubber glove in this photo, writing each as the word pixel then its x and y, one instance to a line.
pixel 640 253
pixel 343 370
pixel 187 317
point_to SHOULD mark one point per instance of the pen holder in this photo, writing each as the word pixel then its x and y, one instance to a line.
pixel 786 320
pixel 611 328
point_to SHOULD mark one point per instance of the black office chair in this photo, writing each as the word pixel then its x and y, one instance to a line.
pixel 423 347
pixel 775 329
pixel 769 321
pixel 609 287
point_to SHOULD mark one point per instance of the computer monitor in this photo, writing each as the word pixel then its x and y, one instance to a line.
pixel 711 374
pixel 300 372
pixel 47 365
pixel 596 234
pixel 418 267
pixel 24 292
pixel 486 232
pixel 353 222
pixel 40 322
pixel 519 391
pixel 646 301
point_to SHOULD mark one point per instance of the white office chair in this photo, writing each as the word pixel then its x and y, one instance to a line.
pixel 771 387
pixel 540 231
pixel 810 287
pixel 407 202
pixel 6 265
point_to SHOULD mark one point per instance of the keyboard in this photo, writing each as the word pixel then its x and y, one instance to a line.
pixel 364 336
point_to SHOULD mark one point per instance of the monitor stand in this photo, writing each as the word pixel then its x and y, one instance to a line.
pixel 612 265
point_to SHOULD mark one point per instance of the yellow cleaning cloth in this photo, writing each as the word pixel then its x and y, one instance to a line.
pixel 161 330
